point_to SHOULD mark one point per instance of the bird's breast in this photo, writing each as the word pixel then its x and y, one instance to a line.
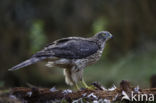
pixel 82 63
pixel 95 57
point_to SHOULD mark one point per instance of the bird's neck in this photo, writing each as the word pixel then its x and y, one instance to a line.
pixel 100 43
pixel 102 46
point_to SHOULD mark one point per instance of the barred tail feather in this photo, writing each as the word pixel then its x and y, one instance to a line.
pixel 26 63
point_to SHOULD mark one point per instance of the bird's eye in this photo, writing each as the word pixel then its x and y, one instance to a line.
pixel 103 34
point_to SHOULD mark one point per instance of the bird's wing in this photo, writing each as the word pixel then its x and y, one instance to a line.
pixel 63 40
pixel 70 48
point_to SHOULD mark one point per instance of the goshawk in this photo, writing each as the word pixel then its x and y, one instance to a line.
pixel 71 53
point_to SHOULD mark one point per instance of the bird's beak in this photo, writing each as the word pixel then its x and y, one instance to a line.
pixel 109 36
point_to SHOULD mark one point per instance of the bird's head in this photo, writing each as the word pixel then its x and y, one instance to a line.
pixel 103 35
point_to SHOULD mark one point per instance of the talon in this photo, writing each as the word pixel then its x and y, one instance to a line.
pixel 86 86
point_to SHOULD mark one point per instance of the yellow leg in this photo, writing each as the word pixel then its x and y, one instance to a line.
pixel 84 83
pixel 86 86
pixel 77 86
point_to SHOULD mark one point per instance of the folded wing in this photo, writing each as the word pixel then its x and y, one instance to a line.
pixel 70 49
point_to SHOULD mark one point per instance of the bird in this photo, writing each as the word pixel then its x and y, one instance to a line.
pixel 73 54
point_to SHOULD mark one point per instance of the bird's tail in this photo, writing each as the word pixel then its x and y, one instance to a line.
pixel 26 63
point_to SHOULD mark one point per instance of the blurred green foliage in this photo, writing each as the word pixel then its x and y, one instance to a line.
pixel 136 67
pixel 1 83
pixel 100 24
pixel 37 36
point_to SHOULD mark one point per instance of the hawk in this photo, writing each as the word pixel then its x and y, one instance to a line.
pixel 72 54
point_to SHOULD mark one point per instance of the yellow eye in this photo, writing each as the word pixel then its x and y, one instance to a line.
pixel 103 34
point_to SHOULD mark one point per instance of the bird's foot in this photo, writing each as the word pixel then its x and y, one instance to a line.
pixel 91 87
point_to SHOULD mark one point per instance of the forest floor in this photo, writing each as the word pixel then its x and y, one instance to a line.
pixel 124 93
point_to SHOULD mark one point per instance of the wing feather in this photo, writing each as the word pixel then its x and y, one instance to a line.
pixel 70 49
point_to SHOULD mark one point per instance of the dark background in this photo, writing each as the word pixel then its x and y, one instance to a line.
pixel 26 26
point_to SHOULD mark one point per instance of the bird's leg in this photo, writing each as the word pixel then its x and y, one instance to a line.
pixel 86 86
pixel 77 86
pixel 84 83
